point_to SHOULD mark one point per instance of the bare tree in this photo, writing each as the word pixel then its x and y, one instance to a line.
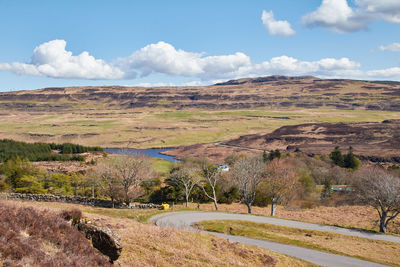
pixel 212 176
pixel 108 181
pixel 131 171
pixel 188 177
pixel 380 189
pixel 248 174
pixel 281 181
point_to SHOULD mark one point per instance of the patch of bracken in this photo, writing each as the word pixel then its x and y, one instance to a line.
pixel 32 237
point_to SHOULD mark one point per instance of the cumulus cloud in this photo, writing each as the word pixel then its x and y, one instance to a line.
pixel 389 10
pixel 51 59
pixel 163 58
pixel 338 16
pixel 330 67
pixel 276 27
pixel 390 73
pixel 395 47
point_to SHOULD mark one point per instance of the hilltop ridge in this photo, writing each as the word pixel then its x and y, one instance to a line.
pixel 271 92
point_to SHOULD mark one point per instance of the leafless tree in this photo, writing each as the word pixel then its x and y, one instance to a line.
pixel 248 174
pixel 212 176
pixel 131 172
pixel 108 181
pixel 188 177
pixel 281 181
pixel 380 189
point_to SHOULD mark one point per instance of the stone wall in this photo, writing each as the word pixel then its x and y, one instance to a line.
pixel 76 200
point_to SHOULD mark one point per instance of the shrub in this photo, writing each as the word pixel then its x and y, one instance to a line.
pixel 26 235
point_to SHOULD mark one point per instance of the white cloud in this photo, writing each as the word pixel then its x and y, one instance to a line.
pixel 389 10
pixel 330 67
pixel 163 58
pixel 52 60
pixel 276 27
pixel 338 16
pixel 390 73
pixel 395 47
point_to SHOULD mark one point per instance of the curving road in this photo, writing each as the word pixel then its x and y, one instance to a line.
pixel 185 220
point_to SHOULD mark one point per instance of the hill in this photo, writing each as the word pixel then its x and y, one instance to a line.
pixel 115 116
pixel 367 138
pixel 371 141
pixel 271 92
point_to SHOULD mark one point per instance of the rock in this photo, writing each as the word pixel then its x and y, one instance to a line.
pixel 103 239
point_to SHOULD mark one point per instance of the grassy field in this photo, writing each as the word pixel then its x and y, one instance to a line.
pixel 148 245
pixel 372 250
pixel 161 127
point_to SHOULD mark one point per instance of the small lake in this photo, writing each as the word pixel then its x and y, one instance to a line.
pixel 151 152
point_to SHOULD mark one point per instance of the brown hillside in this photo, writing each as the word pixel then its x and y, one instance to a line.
pixel 272 92
pixel 115 116
pixel 367 138
pixel 376 142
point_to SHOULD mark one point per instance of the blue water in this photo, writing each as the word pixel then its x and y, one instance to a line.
pixel 151 152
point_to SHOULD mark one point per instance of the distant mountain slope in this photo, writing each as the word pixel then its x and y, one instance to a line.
pixel 369 139
pixel 375 142
pixel 272 92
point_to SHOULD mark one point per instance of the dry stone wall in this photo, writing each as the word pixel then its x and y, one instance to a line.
pixel 76 200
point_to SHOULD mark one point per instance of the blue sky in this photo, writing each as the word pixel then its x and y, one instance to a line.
pixel 71 43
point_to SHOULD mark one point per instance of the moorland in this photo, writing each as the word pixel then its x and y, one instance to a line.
pixel 141 117
pixel 297 127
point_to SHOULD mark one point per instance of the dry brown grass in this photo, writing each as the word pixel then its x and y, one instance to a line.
pixel 148 245
pixel 362 217
pixel 372 250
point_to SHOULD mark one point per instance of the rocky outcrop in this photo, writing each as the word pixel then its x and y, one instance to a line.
pixel 103 239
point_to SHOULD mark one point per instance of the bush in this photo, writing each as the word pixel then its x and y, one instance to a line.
pixel 337 157
pixel 26 235
pixel 29 184
pixel 229 196
pixel 348 161
pixel 73 214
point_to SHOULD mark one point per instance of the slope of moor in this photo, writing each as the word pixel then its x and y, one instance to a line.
pixel 116 116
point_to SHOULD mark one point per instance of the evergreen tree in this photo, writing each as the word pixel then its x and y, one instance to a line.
pixel 350 161
pixel 337 157
pixel 275 154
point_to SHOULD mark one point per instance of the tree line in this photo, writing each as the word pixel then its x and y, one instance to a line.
pixel 10 149
pixel 252 181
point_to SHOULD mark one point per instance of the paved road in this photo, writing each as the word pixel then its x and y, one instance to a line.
pixel 185 220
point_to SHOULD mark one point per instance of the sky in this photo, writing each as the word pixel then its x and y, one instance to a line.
pixel 180 42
